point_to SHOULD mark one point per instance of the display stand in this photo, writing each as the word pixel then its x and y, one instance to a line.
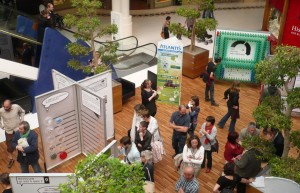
pixel 72 121
pixel 240 52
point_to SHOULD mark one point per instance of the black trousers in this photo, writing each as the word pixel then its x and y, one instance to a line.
pixel 208 156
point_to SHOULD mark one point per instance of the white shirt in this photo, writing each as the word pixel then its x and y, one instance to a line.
pixel 153 129
pixel 211 137
pixel 135 124
pixel 197 155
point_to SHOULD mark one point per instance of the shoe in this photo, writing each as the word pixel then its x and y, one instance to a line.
pixel 215 104
pixel 207 170
pixel 207 99
pixel 220 126
pixel 10 163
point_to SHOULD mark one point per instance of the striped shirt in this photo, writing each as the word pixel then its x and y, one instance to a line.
pixel 188 186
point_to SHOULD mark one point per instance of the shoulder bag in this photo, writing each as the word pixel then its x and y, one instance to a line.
pixel 215 146
pixel 149 186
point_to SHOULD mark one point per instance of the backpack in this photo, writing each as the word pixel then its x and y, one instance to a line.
pixel 204 76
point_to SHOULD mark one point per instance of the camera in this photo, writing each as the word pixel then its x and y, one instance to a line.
pixel 189 105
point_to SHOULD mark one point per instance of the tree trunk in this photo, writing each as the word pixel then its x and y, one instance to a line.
pixel 192 46
pixel 287 141
pixel 287 134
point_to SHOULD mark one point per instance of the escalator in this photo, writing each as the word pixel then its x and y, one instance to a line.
pixel 19 27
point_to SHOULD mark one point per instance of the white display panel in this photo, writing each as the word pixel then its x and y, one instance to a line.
pixel 59 125
pixel 101 86
pixel 92 122
pixel 60 80
pixel 37 183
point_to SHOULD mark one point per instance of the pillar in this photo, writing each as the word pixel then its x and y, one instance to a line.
pixel 120 15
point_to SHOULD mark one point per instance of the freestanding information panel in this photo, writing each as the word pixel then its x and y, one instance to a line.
pixel 71 122
pixel 37 183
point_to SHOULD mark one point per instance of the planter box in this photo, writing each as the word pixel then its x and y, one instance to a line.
pixel 194 63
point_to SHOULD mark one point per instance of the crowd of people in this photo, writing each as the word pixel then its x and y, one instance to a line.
pixel 193 149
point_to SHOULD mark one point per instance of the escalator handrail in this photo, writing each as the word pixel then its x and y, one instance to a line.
pixel 103 43
pixel 133 49
pixel 20 37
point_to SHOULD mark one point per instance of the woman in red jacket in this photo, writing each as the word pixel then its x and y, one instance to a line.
pixel 232 148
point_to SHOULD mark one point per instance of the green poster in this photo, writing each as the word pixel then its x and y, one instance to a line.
pixel 169 70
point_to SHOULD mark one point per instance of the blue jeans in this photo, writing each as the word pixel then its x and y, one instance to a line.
pixel 36 167
pixel 223 121
pixel 178 142
pixel 211 89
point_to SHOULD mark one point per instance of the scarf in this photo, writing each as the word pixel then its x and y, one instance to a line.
pixel 25 135
pixel 208 129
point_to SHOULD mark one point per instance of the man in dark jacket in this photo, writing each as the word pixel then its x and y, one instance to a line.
pixel 276 137
pixel 248 166
pixel 26 142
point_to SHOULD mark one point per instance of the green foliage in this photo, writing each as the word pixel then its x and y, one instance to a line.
pixel 267 116
pixel 293 98
pixel 286 168
pixel 204 24
pixel 281 68
pixel 295 139
pixel 265 148
pixel 88 27
pixel 104 175
pixel 177 28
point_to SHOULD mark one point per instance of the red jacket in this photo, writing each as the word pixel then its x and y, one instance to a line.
pixel 232 150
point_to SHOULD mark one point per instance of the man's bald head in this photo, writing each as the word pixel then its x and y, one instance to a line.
pixel 188 173
pixel 7 105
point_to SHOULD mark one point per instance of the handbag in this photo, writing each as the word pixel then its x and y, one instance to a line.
pixel 149 186
pixel 162 34
pixel 215 146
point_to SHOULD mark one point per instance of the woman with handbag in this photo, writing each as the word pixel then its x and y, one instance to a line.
pixel 137 118
pixel 193 154
pixel 148 167
pixel 149 96
pixel 165 28
pixel 152 126
pixel 232 97
pixel 209 133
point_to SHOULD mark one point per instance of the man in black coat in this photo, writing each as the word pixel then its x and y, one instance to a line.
pixel 26 142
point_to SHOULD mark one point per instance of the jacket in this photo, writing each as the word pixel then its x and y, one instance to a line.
pixel 249 165
pixel 32 152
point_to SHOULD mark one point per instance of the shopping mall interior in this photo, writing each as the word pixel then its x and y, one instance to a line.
pixel 139 58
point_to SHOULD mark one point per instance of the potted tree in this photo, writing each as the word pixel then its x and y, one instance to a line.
pixel 103 174
pixel 88 27
pixel 195 59
pixel 280 70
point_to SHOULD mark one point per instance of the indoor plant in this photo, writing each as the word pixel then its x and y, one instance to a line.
pixel 195 59
pixel 280 70
pixel 103 175
pixel 88 27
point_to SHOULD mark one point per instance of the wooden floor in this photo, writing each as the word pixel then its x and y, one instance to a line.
pixel 165 174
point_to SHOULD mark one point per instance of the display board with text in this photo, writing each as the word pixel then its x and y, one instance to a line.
pixel 240 52
pixel 37 183
pixel 169 70
pixel 61 116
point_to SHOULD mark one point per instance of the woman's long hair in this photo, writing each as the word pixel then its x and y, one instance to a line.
pixel 235 87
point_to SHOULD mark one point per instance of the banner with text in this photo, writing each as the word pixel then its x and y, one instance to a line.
pixel 169 70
